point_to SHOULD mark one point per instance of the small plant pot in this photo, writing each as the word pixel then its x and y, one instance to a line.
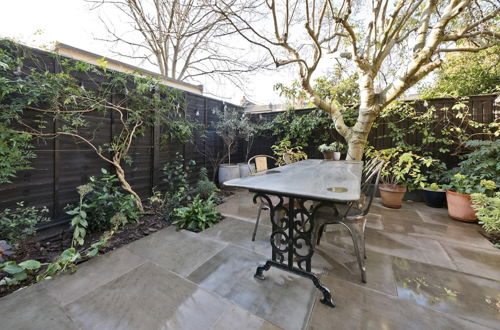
pixel 336 155
pixel 228 172
pixel 328 155
pixel 460 207
pixel 392 195
pixel 245 170
pixel 434 198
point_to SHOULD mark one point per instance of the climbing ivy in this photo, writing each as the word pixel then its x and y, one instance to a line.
pixel 33 99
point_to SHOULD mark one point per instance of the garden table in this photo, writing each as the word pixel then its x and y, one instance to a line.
pixel 315 180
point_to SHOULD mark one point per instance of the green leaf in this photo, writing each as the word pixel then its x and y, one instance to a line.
pixel 30 264
pixel 11 267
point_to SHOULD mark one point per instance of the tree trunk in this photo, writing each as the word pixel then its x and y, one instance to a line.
pixel 368 110
pixel 120 173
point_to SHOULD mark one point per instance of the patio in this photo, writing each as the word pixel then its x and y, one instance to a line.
pixel 424 271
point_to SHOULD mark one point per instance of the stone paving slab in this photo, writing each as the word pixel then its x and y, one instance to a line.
pixel 91 274
pixel 148 297
pixel 181 252
pixel 282 298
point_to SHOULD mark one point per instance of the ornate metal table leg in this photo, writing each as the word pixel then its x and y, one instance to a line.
pixel 261 269
pixel 292 242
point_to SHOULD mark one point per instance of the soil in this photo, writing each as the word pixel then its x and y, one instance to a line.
pixel 493 238
pixel 47 250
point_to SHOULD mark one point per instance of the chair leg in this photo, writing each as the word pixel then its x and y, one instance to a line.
pixel 320 233
pixel 261 207
pixel 363 238
pixel 357 241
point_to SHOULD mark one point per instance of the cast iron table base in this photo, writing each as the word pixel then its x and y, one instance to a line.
pixel 292 240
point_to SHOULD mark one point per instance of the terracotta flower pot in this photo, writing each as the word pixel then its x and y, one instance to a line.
pixel 328 155
pixel 460 207
pixel 392 195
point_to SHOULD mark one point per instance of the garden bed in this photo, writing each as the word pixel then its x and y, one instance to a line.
pixel 47 250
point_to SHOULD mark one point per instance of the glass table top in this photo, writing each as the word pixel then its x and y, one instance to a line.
pixel 314 179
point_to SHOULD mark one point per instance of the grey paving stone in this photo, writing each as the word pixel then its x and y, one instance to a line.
pixel 148 297
pixel 181 252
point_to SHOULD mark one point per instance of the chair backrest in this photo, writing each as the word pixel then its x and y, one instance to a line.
pixel 260 163
pixel 369 182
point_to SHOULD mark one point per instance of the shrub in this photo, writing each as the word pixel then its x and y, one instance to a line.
pixel 19 223
pixel 205 188
pixel 176 175
pixel 105 200
pixel 15 153
pixel 484 161
pixel 402 168
pixel 488 211
pixel 198 215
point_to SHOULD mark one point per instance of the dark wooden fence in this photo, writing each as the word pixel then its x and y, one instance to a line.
pixel 62 163
pixel 482 108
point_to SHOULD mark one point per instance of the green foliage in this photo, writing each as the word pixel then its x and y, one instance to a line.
pixel 15 153
pixel 488 211
pixel 468 184
pixel 199 215
pixel 230 125
pixel 19 223
pixel 336 88
pixel 103 199
pixel 18 272
pixel 176 175
pixel 287 154
pixel 467 74
pixel 79 220
pixel 178 190
pixel 136 102
pixel 315 128
pixel 448 128
pixel 66 261
pixel 484 161
pixel 402 168
pixel 205 187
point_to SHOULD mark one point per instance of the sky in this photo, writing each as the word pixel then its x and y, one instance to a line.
pixel 41 23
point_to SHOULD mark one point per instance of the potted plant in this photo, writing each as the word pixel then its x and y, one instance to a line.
pixel 228 128
pixel 332 151
pixel 248 131
pixel 458 195
pixel 434 195
pixel 401 171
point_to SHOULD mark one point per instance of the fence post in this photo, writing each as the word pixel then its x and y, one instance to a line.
pixel 156 154
pixel 57 157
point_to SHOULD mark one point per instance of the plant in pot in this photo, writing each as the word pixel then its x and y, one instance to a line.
pixel 228 127
pixel 434 194
pixel 286 154
pixel 248 131
pixel 458 195
pixel 401 171
pixel 332 151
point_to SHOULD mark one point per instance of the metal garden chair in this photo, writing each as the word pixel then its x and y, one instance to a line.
pixel 353 215
pixel 261 164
